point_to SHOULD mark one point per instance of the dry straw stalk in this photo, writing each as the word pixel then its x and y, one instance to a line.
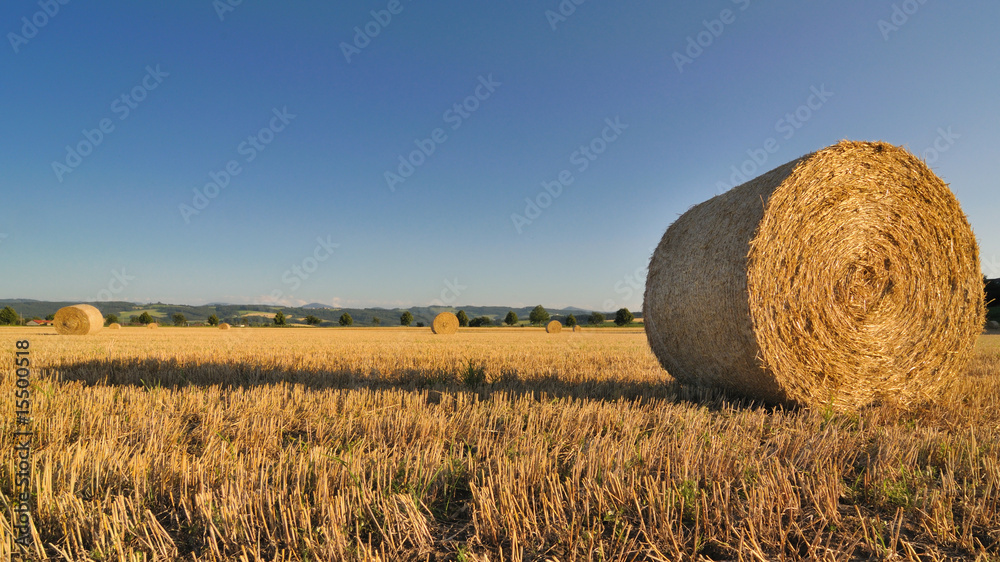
pixel 445 323
pixel 845 276
pixel 78 320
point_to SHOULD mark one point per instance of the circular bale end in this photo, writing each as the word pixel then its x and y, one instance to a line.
pixel 843 277
pixel 78 320
pixel 445 323
pixel 553 327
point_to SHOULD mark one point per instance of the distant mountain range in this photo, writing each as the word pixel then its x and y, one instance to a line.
pixel 257 313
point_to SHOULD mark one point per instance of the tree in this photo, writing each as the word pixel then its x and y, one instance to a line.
pixel 481 322
pixel 571 321
pixel 538 315
pixel 463 318
pixel 50 317
pixel 511 318
pixel 133 319
pixel 179 319
pixel 145 318
pixel 9 317
pixel 312 320
pixel 596 318
pixel 110 319
pixel 279 318
pixel 406 319
pixel 346 320
pixel 376 320
pixel 623 317
pixel 213 320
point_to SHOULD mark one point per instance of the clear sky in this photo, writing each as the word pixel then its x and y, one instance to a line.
pixel 194 152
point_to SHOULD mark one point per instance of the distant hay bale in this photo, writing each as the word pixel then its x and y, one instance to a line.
pixel 553 327
pixel 114 326
pixel 152 325
pixel 445 323
pixel 78 320
pixel 848 275
pixel 224 326
pixel 577 328
pixel 993 325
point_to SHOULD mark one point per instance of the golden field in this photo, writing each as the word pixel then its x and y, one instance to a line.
pixel 490 444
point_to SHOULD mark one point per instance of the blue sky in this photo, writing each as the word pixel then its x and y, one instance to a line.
pixel 666 99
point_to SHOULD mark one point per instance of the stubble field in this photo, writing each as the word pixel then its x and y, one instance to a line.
pixel 492 444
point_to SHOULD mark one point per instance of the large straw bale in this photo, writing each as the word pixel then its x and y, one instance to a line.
pixel 843 277
pixel 78 320
pixel 445 323
pixel 553 327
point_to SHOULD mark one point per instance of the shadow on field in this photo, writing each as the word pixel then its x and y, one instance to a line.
pixel 170 373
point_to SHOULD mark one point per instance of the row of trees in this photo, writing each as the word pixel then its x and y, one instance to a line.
pixel 538 316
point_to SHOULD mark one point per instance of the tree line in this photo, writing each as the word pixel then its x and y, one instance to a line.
pixel 538 316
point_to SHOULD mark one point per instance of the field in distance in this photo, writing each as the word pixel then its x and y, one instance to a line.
pixel 513 444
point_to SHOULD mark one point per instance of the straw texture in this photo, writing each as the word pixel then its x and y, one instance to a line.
pixel 445 323
pixel 553 327
pixel 840 278
pixel 78 320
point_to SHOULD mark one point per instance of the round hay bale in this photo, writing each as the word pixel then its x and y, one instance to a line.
pixel 114 326
pixel 78 320
pixel 993 325
pixel 553 327
pixel 152 325
pixel 445 323
pixel 224 326
pixel 577 328
pixel 845 276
